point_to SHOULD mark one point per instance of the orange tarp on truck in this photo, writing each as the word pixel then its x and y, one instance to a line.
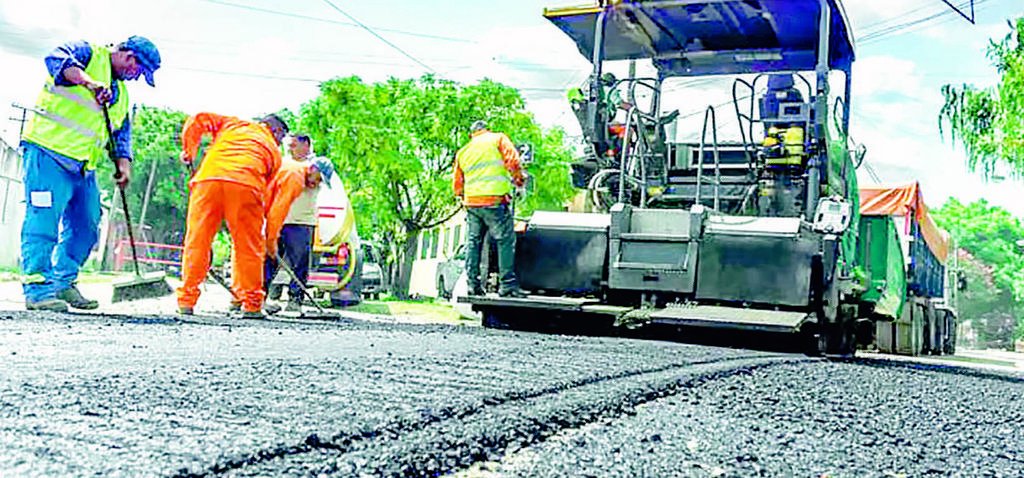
pixel 907 201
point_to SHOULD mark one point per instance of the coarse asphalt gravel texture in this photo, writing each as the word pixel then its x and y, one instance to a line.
pixel 88 395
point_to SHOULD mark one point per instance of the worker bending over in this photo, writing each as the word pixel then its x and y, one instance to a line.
pixel 231 184
pixel 291 220
pixel 61 146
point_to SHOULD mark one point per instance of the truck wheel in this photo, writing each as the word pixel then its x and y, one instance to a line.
pixel 841 338
pixel 814 341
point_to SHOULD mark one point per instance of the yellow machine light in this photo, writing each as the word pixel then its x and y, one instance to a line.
pixel 578 10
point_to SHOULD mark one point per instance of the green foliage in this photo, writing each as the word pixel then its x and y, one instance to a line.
pixel 289 117
pixel 990 310
pixel 155 143
pixel 394 144
pixel 989 122
pixel 996 282
pixel 989 233
pixel 221 248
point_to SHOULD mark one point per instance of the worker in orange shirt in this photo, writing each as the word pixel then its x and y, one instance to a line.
pixel 487 171
pixel 295 180
pixel 231 184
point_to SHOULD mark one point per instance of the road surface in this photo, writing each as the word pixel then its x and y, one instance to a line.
pixel 157 396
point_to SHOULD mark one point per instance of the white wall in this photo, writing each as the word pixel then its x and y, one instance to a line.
pixel 12 205
pixel 423 279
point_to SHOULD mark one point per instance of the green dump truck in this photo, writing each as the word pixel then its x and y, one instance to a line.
pixel 908 287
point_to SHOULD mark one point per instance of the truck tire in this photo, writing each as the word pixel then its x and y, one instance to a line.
pixel 814 342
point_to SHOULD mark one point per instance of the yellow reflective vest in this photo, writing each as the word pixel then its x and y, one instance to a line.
pixel 69 121
pixel 483 167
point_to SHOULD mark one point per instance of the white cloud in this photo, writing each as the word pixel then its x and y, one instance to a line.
pixel 895 115
pixel 885 74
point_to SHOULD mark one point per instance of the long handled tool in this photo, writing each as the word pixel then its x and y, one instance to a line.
pixel 320 312
pixel 141 286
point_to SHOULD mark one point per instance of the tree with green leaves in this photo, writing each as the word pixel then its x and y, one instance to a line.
pixel 995 269
pixel 989 122
pixel 394 145
pixel 990 310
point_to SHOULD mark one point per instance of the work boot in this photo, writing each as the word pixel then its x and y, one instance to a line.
pixel 49 305
pixel 513 293
pixel 185 311
pixel 74 298
pixel 254 315
pixel 294 305
pixel 476 290
pixel 271 308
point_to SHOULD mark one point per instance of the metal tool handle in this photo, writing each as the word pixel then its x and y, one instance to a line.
pixel 120 186
pixel 295 277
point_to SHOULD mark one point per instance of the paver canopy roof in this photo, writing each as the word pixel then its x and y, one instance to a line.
pixel 707 37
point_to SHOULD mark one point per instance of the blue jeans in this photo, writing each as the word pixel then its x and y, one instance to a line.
pixel 499 222
pixel 56 200
pixel 294 245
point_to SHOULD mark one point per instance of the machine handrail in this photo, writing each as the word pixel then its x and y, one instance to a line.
pixel 749 132
pixel 625 154
pixel 709 113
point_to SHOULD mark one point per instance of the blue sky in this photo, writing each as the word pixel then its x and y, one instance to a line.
pixel 235 57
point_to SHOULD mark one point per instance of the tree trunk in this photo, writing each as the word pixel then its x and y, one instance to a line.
pixel 408 255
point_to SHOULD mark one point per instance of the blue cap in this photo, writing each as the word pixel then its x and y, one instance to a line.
pixel 146 55
pixel 326 169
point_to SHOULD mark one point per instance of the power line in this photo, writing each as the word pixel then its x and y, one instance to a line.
pixel 894 18
pixel 335 22
pixel 944 15
pixel 871 171
pixel 247 75
pixel 962 14
pixel 385 40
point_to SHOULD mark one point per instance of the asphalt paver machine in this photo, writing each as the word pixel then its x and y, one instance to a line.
pixel 756 234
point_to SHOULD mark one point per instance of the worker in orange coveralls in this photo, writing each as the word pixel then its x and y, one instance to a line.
pixel 231 184
pixel 291 181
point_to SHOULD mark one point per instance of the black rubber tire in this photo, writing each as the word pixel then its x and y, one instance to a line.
pixel 814 341
pixel 841 339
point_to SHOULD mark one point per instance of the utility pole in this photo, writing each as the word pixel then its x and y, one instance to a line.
pixel 145 200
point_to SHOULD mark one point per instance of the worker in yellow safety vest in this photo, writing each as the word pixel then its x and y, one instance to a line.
pixel 62 144
pixel 487 171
